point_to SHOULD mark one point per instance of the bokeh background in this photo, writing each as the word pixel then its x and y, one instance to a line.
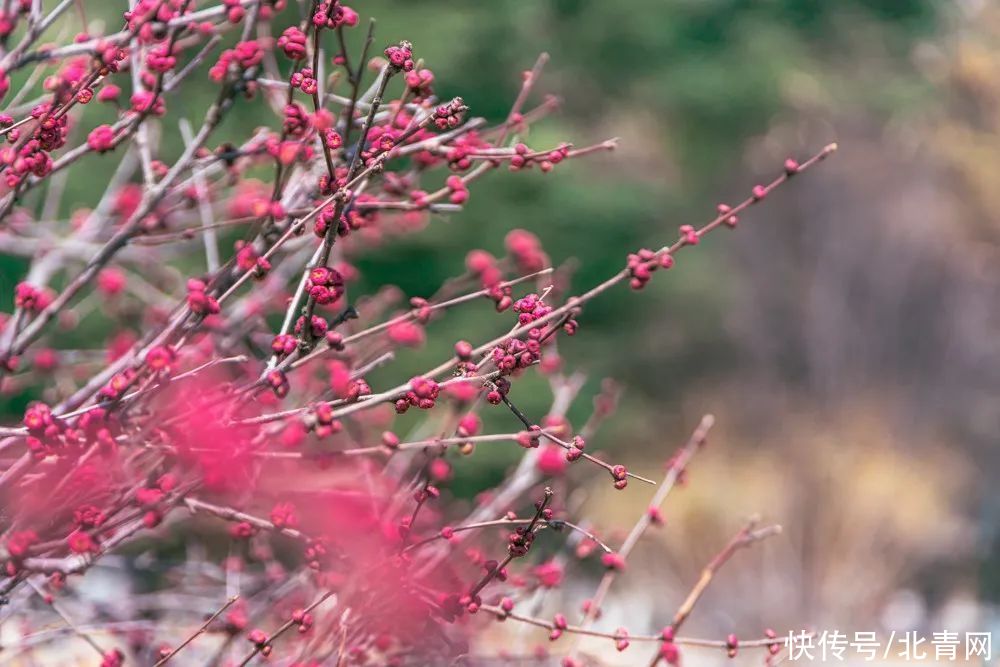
pixel 846 336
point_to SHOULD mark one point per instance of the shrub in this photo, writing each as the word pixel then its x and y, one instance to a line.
pixel 238 392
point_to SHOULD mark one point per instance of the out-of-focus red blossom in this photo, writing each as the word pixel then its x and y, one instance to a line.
pixel 111 281
pixel 549 574
pixel 18 543
pixel 244 56
pixel 349 520
pixel 283 515
pixel 101 138
pixel 439 470
pixel 127 199
pixel 120 344
pixel 613 561
pixel 219 453
pixel 113 658
pixel 463 392
pixel 551 460
pixel 407 334
pixel 81 542
pixel 65 487
pixel 526 250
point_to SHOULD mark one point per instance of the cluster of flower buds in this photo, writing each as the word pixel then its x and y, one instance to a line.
pixel 329 216
pixel 400 56
pixel 732 644
pixel 449 115
pixel 242 530
pixel 296 120
pixel 315 554
pixel 325 285
pixel 531 438
pixel 501 387
pixel 326 424
pixel 317 326
pixel 461 148
pixel 302 619
pixel 514 354
pixel 525 158
pixel 689 235
pixel 293 43
pixel 774 647
pixel 520 540
pixel 381 140
pixel 40 421
pixel 464 351
pixel 32 158
pixel 332 139
pixel 575 451
pixel 278 382
pixel 621 639
pixel 52 128
pixel 419 83
pixel 343 384
pixel 111 57
pixel 147 103
pixel 18 545
pixel 422 394
pixel 259 639
pixel 333 15
pixel 459 191
pixel 150 498
pixel 499 294
pixel 160 358
pixel 284 153
pixel 82 542
pixel 247 258
pixel 199 300
pixel 31 298
pixel 468 426
pixel 283 515
pixel 559 625
pixel 101 139
pixel 244 56
pixel 284 344
pixel 304 80
pixel 531 308
pixel 471 603
pixel 88 516
pixel 642 264
pixel 51 436
pixel 620 474
pixel 730 220
pixel 669 652
pixel 162 58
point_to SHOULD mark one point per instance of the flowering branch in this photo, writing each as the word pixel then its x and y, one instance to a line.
pixel 248 377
